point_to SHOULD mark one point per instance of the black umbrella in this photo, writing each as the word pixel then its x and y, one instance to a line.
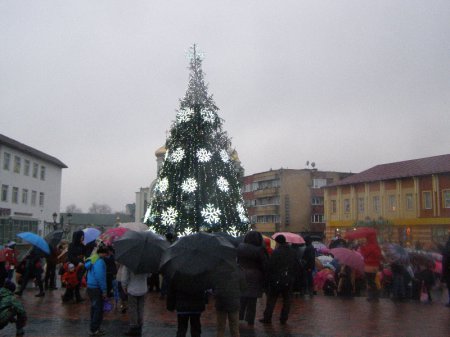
pixel 140 251
pixel 54 238
pixel 235 241
pixel 196 257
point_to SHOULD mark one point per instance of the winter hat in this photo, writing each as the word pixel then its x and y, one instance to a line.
pixel 11 244
pixel 71 266
pixel 280 239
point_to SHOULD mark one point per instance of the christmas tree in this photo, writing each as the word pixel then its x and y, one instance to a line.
pixel 198 187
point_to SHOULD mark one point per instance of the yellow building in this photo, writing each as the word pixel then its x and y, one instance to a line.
pixel 409 200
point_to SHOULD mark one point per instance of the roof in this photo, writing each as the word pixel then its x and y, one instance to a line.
pixel 96 219
pixel 401 169
pixel 31 151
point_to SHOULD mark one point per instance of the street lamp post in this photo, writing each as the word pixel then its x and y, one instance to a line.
pixel 55 225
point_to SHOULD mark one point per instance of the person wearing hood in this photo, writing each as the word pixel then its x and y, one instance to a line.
pixel 252 259
pixel 76 254
pixel 33 270
pixel 11 309
pixel 96 288
pixel 371 253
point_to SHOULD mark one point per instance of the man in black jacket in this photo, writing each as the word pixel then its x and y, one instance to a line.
pixel 283 265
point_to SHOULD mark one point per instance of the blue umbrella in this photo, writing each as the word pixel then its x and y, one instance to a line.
pixel 35 240
pixel 90 234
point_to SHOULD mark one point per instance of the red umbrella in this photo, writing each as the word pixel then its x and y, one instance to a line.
pixel 290 237
pixel 112 235
pixel 349 257
pixel 360 232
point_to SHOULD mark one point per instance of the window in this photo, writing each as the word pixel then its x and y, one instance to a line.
pixel 5 192
pixel 361 205
pixel 333 206
pixel 17 164
pixel 376 203
pixel 266 184
pixel 426 200
pixel 42 172
pixel 268 201
pixel 248 188
pixel 318 183
pixel 392 202
pixel 6 161
pixel 26 168
pixel 41 199
pixel 24 196
pixel 33 198
pixel 317 200
pixel 446 198
pixel 35 170
pixel 315 218
pixel 346 205
pixel 409 201
pixel 15 195
pixel 267 218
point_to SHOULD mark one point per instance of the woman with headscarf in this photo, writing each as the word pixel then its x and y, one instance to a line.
pixel 76 255
pixel 252 259
pixel 371 253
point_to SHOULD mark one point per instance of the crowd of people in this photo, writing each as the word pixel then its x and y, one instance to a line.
pixel 285 272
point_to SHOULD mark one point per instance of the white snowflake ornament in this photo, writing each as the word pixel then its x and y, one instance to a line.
pixel 184 115
pixel 169 216
pixel 177 155
pixel 224 156
pixel 223 185
pixel 211 214
pixel 163 185
pixel 208 116
pixel 189 185
pixel 203 155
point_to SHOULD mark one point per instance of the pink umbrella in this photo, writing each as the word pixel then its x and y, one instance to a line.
pixel 438 267
pixel 112 235
pixel 349 257
pixel 321 277
pixel 290 237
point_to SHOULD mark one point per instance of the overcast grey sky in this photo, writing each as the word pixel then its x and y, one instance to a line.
pixel 346 84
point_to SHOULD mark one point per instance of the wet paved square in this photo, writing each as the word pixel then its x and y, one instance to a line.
pixel 320 316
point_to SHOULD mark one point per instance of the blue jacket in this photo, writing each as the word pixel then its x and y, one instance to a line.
pixel 96 273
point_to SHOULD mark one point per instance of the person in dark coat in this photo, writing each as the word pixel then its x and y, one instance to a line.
pixel 308 264
pixel 283 265
pixel 50 269
pixel 76 256
pixel 33 270
pixel 188 304
pixel 252 259
pixel 227 286
pixel 446 268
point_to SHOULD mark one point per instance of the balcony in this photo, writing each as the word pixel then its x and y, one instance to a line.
pixel 266 209
pixel 266 192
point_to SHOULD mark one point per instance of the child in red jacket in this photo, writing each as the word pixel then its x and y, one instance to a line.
pixel 70 280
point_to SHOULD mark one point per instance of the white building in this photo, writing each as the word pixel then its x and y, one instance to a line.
pixel 145 194
pixel 30 182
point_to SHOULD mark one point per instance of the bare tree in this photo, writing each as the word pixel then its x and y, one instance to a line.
pixel 72 208
pixel 100 209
